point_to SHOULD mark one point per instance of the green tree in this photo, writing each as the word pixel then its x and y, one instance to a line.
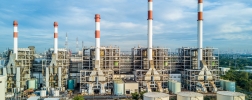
pixel 248 85
pixel 135 96
pixel 238 89
pixel 78 97
pixel 141 94
pixel 209 98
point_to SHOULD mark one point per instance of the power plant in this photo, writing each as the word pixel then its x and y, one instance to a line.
pixel 106 70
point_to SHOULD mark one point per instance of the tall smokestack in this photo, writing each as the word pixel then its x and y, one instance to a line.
pixel 97 37
pixel 150 18
pixel 55 38
pixel 200 31
pixel 15 36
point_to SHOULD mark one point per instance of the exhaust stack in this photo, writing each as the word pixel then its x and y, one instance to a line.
pixel 56 38
pixel 150 18
pixel 200 31
pixel 97 39
pixel 15 37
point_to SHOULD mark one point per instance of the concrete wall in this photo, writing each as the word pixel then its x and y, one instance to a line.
pixel 132 87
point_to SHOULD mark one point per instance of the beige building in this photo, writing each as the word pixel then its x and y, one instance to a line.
pixel 130 87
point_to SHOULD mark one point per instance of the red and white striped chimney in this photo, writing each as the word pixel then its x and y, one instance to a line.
pixel 150 18
pixel 97 37
pixel 15 36
pixel 55 38
pixel 200 31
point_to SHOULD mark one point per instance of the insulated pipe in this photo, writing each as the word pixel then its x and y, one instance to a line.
pixel 59 77
pixel 15 36
pixel 150 18
pixel 200 31
pixel 97 37
pixel 56 38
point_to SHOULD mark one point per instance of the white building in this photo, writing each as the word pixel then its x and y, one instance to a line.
pixel 223 70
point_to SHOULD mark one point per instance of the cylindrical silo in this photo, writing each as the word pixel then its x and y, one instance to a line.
pixel 228 95
pixel 31 84
pixel 170 85
pixel 42 93
pixel 155 96
pixel 230 86
pixel 176 87
pixel 118 87
pixel 56 93
pixel 2 86
pixel 222 84
pixel 189 96
pixel 36 83
pixel 70 84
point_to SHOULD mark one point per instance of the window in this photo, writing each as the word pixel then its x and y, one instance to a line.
pixel 127 91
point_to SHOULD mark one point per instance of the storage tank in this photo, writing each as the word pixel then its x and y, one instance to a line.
pixel 230 86
pixel 228 95
pixel 2 86
pixel 51 93
pixel 222 84
pixel 75 82
pixel 56 93
pixel 36 83
pixel 170 85
pixel 190 96
pixel 70 84
pixel 42 93
pixel 155 96
pixel 176 87
pixel 31 84
pixel 118 87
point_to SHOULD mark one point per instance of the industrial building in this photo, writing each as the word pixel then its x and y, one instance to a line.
pixel 106 70
pixel 201 79
pixel 55 68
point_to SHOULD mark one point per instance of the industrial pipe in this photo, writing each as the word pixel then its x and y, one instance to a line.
pixel 56 38
pixel 97 37
pixel 150 18
pixel 200 31
pixel 15 36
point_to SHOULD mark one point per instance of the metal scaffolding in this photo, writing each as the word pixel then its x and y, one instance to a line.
pixel 19 70
pixel 191 75
pixel 109 65
pixel 161 63
pixel 51 66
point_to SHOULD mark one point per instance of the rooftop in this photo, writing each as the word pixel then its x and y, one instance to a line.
pixel 229 93
pixel 156 94
pixel 189 94
pixel 129 81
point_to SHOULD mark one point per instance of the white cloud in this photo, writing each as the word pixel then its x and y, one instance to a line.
pixel 123 22
pixel 174 15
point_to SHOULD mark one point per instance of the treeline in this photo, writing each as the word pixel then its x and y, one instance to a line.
pixel 234 62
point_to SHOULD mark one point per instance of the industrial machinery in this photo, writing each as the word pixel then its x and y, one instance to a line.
pixel 17 66
pixel 151 65
pixel 97 74
pixel 55 66
pixel 200 69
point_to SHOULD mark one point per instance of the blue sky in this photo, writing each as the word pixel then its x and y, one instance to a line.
pixel 227 23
